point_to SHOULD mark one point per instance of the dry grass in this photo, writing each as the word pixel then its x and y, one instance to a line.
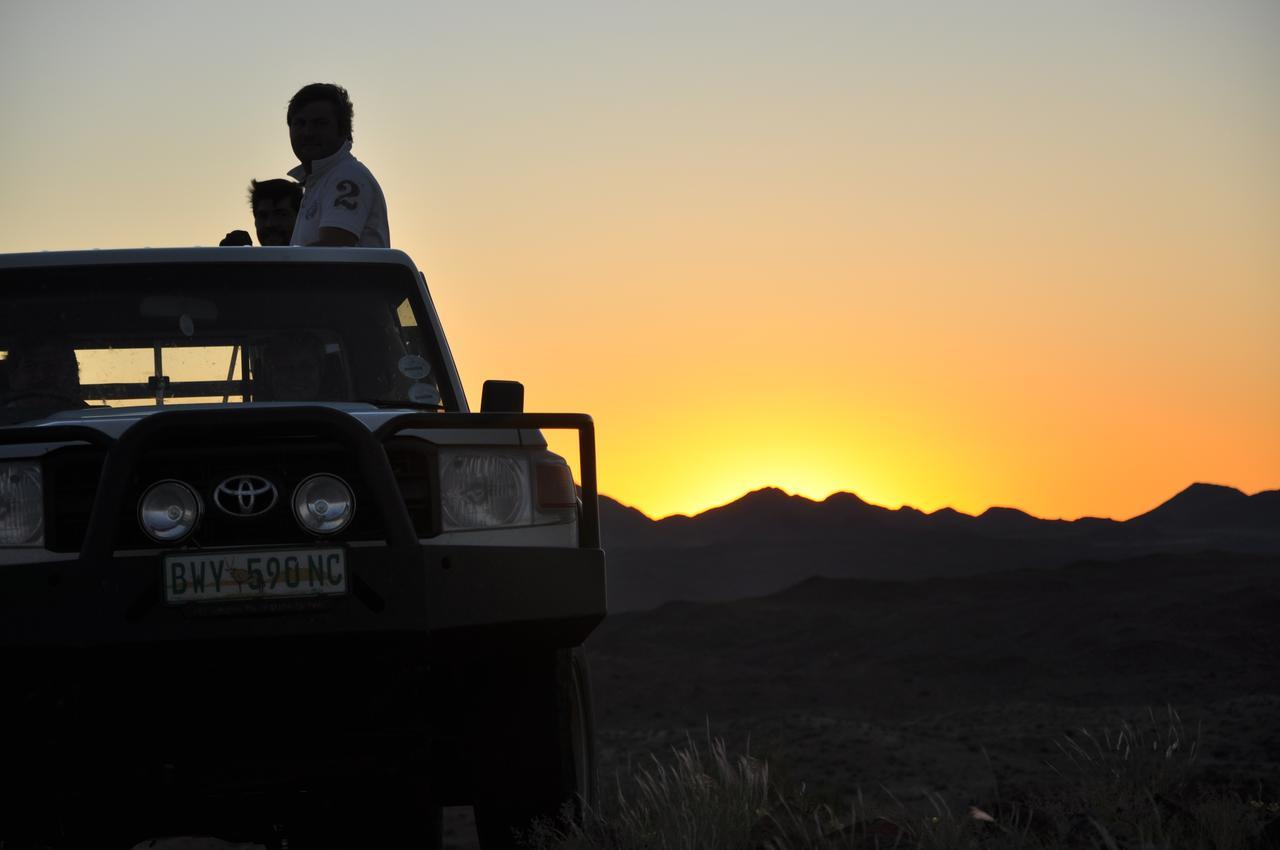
pixel 1134 786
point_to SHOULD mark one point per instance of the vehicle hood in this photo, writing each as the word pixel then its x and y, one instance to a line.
pixel 113 422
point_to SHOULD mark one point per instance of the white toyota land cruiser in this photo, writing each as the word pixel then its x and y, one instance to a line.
pixel 263 576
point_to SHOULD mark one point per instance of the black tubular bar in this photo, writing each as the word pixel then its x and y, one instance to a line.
pixel 580 422
pixel 113 484
pixel 55 434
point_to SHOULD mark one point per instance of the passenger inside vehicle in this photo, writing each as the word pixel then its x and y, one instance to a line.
pixel 293 368
pixel 42 374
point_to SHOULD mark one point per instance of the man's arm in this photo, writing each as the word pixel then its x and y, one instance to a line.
pixel 343 206
pixel 334 237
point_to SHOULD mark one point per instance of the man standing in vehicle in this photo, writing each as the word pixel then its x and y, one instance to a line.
pixel 342 203
pixel 275 205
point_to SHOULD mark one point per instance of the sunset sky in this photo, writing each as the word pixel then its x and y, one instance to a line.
pixel 936 253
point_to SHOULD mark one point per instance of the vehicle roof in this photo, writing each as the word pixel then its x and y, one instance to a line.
pixel 136 256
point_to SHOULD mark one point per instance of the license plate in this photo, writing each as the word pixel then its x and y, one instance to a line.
pixel 246 574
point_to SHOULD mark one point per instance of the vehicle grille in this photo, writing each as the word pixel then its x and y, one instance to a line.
pixel 414 463
pixel 71 479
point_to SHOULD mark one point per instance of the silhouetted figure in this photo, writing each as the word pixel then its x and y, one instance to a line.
pixel 292 368
pixel 43 375
pixel 343 204
pixel 275 205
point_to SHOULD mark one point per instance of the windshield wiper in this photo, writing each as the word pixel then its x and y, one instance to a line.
pixel 389 402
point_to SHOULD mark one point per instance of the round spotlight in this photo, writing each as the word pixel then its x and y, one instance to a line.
pixel 169 511
pixel 323 504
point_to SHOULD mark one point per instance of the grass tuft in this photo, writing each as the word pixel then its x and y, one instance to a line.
pixel 1132 787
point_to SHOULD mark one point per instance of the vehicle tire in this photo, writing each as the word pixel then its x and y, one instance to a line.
pixel 540 763
pixel 580 712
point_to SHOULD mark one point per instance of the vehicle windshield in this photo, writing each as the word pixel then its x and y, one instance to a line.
pixel 227 333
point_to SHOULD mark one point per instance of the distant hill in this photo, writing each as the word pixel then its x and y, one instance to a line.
pixel 1212 506
pixel 768 540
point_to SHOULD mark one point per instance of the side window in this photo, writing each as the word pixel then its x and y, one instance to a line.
pixel 404 314
pixel 419 383
pixel 129 377
pixel 116 376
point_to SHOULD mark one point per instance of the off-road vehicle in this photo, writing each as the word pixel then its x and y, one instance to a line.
pixel 263 575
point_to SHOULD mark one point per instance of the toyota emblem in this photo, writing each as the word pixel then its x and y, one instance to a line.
pixel 245 495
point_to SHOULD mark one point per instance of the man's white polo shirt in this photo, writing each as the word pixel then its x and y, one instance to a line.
pixel 341 192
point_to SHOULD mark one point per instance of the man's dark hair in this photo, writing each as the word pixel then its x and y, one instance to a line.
pixel 275 191
pixel 329 93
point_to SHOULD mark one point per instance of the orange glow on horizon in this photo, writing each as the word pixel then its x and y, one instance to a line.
pixel 950 255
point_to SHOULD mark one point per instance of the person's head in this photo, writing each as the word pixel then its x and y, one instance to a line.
pixel 43 366
pixel 294 366
pixel 275 206
pixel 319 118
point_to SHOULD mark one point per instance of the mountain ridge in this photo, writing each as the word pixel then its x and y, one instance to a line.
pixel 769 539
pixel 1191 491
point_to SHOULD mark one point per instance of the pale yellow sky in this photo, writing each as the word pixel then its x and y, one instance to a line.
pixel 999 253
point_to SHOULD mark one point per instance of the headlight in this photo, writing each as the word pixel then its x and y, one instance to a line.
pixel 483 490
pixel 21 504
pixel 169 511
pixel 323 504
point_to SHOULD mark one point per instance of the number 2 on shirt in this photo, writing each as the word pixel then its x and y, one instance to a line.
pixel 347 192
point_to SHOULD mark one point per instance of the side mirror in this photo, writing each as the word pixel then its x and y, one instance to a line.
pixel 502 397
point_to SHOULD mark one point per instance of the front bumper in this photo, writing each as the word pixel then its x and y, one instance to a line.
pixel 439 597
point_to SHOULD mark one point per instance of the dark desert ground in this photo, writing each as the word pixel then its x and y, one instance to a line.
pixel 846 683
pixel 951 684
